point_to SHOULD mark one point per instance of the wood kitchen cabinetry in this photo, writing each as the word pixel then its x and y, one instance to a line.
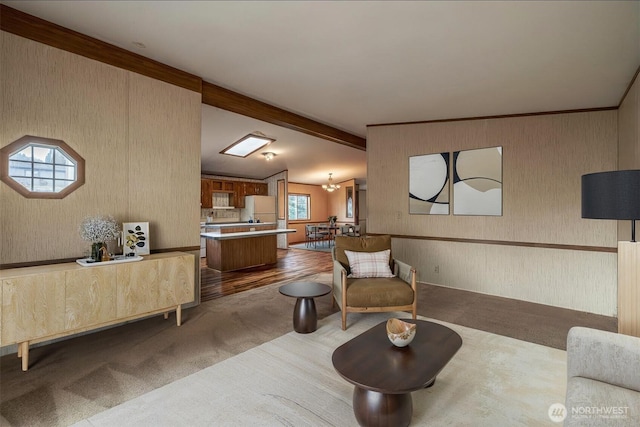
pixel 226 186
pixel 52 301
pixel 210 186
pixel 238 189
pixel 258 189
pixel 249 189
pixel 206 193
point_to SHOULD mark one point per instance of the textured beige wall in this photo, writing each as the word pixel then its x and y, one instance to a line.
pixel 140 139
pixel 543 159
pixel 164 161
pixel 629 143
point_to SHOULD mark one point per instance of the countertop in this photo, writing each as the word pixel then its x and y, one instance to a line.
pixel 245 234
pixel 234 224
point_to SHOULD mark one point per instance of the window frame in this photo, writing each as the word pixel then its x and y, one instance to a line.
pixel 28 140
pixel 308 196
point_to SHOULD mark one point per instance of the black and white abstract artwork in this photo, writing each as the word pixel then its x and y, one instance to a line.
pixel 477 182
pixel 429 184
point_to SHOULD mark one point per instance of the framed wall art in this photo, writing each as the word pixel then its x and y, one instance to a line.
pixel 477 182
pixel 349 191
pixel 135 238
pixel 429 184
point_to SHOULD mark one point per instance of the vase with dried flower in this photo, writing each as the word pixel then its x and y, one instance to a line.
pixel 99 230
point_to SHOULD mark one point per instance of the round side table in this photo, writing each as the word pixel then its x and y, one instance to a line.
pixel 305 317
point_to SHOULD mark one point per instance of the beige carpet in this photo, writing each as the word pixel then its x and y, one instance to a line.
pixel 71 380
pixel 492 381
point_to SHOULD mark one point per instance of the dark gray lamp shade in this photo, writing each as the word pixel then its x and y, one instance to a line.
pixel 612 195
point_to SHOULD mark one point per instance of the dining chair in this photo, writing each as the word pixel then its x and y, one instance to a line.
pixel 351 230
pixel 324 231
pixel 312 235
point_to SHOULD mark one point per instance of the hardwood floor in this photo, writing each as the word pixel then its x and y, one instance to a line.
pixel 291 264
pixel 522 320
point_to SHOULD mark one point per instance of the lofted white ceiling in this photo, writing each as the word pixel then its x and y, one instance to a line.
pixel 351 64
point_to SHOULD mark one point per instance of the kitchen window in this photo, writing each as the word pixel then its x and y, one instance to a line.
pixel 41 167
pixel 299 207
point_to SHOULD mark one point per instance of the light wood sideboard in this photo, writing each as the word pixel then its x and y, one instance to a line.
pixel 52 301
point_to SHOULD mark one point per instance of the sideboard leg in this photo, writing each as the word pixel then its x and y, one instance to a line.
pixel 166 315
pixel 179 315
pixel 19 350
pixel 25 355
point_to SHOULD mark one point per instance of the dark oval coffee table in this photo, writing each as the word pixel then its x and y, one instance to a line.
pixel 385 375
pixel 305 317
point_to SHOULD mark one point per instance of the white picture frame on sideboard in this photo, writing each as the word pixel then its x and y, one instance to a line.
pixel 135 238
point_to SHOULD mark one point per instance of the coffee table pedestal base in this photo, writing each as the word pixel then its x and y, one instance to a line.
pixel 305 317
pixel 372 408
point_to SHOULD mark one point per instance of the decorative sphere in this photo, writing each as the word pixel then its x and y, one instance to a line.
pixel 400 333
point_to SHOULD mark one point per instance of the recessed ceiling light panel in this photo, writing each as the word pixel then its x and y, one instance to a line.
pixel 247 145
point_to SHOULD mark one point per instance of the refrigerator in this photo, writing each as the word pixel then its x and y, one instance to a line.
pixel 259 207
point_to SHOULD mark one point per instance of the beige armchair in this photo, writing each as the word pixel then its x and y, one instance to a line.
pixel 371 294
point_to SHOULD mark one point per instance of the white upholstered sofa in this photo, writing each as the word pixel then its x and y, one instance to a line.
pixel 603 378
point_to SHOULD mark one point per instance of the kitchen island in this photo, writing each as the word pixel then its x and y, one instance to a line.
pixel 235 246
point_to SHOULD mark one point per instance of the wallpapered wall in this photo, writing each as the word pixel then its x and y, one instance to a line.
pixel 629 141
pixel 140 139
pixel 543 159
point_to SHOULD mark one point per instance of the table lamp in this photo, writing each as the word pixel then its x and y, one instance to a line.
pixel 612 195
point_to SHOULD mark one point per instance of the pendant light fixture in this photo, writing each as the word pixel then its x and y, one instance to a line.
pixel 330 186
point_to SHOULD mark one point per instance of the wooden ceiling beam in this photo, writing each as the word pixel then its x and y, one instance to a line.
pixel 229 100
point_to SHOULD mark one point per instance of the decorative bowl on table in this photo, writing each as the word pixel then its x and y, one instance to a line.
pixel 400 333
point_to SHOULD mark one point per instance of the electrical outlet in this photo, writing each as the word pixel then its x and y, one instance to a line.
pixel 437 269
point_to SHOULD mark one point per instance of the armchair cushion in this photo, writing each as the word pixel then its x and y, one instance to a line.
pixel 369 264
pixel 359 244
pixel 379 292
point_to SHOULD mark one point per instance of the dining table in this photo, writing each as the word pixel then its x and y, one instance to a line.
pixel 331 228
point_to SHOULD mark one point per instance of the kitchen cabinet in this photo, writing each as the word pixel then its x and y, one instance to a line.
pixel 239 195
pixel 249 189
pixel 220 185
pixel 256 189
pixel 237 246
pixel 52 301
pixel 237 190
pixel 206 193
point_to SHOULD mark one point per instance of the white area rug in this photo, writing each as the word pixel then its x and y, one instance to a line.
pixel 290 381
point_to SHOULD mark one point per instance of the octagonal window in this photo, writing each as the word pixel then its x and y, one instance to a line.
pixel 41 167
